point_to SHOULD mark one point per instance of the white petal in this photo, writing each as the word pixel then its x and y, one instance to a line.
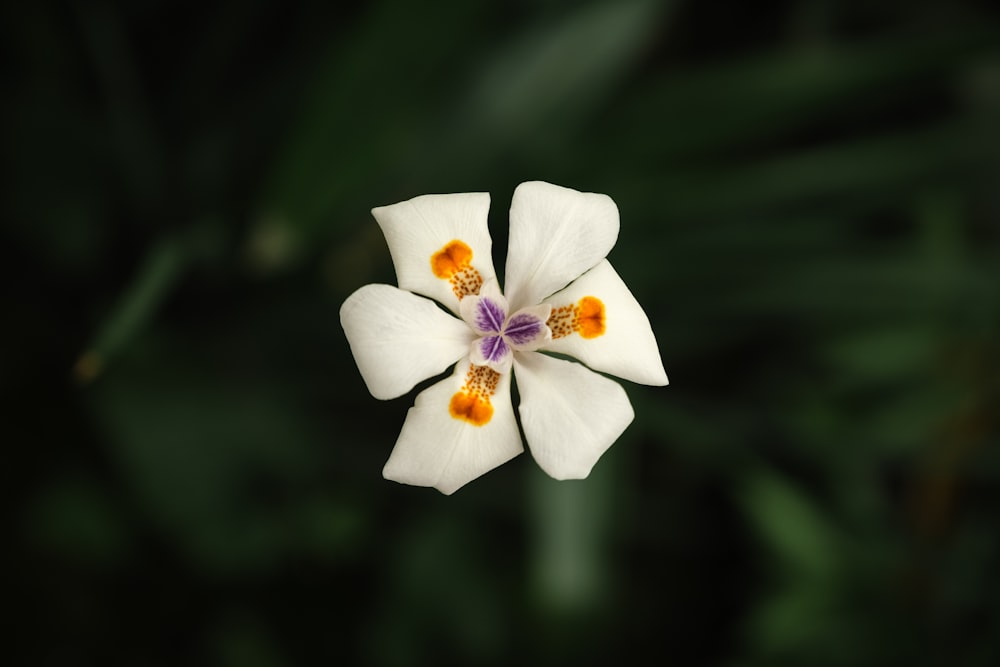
pixel 399 339
pixel 417 229
pixel 555 235
pixel 439 450
pixel 627 348
pixel 570 414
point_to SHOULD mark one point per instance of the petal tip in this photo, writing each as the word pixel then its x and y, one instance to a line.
pixel 567 474
pixel 395 471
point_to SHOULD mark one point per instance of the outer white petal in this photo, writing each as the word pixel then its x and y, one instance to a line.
pixel 628 347
pixel 399 339
pixel 435 449
pixel 570 414
pixel 555 235
pixel 418 228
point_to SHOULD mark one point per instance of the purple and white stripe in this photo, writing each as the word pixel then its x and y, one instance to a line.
pixel 489 316
pixel 500 334
pixel 522 329
pixel 493 348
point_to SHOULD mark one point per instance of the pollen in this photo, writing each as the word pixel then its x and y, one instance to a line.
pixel 472 402
pixel 585 317
pixel 453 263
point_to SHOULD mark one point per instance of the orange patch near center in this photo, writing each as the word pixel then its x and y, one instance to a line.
pixel 585 317
pixel 472 403
pixel 590 317
pixel 471 408
pixel 451 259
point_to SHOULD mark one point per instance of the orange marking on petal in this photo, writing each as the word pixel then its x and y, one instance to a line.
pixel 473 409
pixel 472 402
pixel 451 259
pixel 589 317
pixel 560 321
pixel 466 282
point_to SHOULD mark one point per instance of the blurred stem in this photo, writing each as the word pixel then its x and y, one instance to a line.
pixel 939 215
pixel 572 522
pixel 158 272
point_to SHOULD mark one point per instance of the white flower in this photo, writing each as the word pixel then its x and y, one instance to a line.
pixel 562 296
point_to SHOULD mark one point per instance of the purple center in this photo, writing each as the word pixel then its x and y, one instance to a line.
pixel 522 329
pixel 493 348
pixel 500 333
pixel 489 316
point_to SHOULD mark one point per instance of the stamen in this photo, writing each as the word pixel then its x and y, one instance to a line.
pixel 586 317
pixel 472 402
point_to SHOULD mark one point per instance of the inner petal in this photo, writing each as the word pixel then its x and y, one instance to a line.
pixel 523 328
pixel 489 315
pixel 493 348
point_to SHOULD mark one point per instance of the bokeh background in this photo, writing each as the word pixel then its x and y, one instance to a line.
pixel 809 202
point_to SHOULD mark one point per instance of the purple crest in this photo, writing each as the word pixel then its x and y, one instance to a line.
pixel 523 329
pixel 493 348
pixel 489 316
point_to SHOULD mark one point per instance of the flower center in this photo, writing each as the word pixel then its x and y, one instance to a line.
pixel 500 333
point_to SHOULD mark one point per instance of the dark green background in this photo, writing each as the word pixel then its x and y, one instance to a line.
pixel 809 203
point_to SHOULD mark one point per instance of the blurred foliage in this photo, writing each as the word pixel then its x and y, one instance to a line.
pixel 810 216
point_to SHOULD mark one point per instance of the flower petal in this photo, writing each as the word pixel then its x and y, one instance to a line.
pixel 555 235
pixel 570 414
pixel 617 339
pixel 452 436
pixel 399 339
pixel 440 244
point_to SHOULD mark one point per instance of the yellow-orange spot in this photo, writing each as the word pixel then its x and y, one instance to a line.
pixel 472 402
pixel 585 317
pixel 472 409
pixel 453 263
pixel 589 320
pixel 451 259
